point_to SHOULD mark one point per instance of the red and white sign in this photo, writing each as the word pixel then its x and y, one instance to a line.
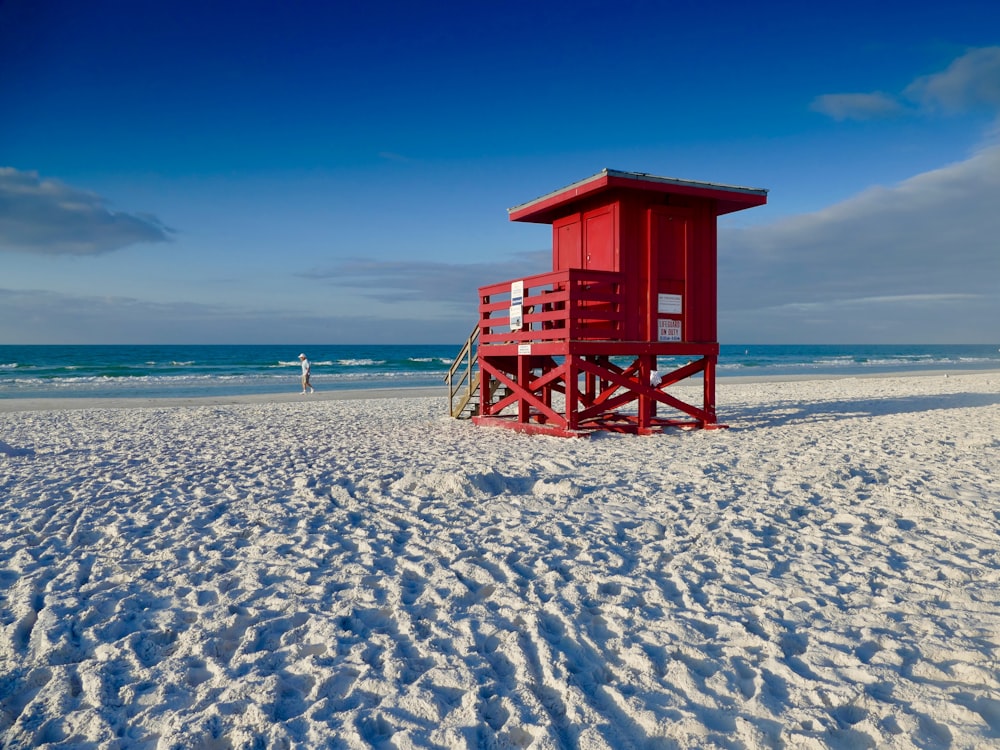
pixel 669 330
pixel 516 300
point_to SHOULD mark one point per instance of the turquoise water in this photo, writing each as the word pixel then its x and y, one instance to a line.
pixel 157 371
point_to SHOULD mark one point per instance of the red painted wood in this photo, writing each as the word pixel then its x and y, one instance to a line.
pixel 567 243
pixel 633 260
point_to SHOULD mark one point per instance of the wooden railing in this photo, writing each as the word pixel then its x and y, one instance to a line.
pixel 573 304
pixel 463 376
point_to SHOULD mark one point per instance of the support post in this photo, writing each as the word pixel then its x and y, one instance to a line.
pixel 647 405
pixel 523 378
pixel 709 381
pixel 572 393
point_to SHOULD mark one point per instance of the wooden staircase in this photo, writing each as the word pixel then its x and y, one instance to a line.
pixel 463 380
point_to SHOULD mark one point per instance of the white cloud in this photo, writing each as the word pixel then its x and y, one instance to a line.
pixel 971 81
pixel 857 106
pixel 872 302
pixel 47 217
pixel 423 301
pixel 408 281
pixel 43 317
pixel 926 249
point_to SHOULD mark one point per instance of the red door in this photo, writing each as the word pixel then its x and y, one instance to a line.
pixel 669 239
pixel 599 251
pixel 567 243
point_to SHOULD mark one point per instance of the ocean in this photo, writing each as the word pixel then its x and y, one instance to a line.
pixel 191 371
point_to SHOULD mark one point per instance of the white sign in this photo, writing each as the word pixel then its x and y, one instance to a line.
pixel 670 304
pixel 670 330
pixel 524 348
pixel 516 320
pixel 516 293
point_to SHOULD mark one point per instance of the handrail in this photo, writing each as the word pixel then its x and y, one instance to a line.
pixel 469 343
pixel 468 377
pixel 574 303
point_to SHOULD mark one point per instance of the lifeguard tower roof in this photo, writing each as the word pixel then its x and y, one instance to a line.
pixel 548 208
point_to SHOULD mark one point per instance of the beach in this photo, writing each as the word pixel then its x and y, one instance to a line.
pixel 366 572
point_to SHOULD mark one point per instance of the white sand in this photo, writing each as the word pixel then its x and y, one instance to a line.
pixel 372 573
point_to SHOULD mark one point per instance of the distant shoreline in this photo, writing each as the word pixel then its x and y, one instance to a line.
pixel 178 375
pixel 10 405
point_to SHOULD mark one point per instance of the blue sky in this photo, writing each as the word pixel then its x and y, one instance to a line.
pixel 264 172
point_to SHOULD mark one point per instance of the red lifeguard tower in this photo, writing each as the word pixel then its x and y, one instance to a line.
pixel 633 279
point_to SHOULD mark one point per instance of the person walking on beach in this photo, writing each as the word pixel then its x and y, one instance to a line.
pixel 306 372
